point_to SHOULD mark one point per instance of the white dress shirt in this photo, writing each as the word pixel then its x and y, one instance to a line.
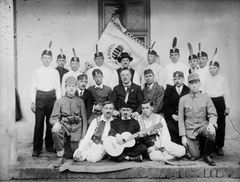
pixel 217 86
pixel 203 73
pixel 107 76
pixel 170 68
pixel 158 73
pixel 75 74
pixel 45 79
pixel 179 89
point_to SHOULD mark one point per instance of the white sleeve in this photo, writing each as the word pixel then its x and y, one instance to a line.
pixel 58 87
pixel 136 78
pixel 63 85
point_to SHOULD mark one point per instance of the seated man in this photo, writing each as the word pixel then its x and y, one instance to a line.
pixel 194 109
pixel 91 148
pixel 158 140
pixel 100 92
pixel 170 104
pixel 84 94
pixel 127 124
pixel 69 121
pixel 153 91
pixel 127 92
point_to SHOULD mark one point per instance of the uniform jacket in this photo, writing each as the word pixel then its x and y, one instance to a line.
pixel 170 104
pixel 156 95
pixel 69 106
pixel 135 97
pixel 100 95
pixel 87 98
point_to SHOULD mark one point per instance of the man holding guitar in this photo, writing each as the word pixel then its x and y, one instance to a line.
pixel 158 140
pixel 119 127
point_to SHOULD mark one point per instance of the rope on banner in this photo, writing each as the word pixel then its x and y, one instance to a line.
pixel 131 36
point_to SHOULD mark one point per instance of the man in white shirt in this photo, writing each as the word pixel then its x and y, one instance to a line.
pixel 74 63
pixel 203 71
pixel 99 60
pixel 155 67
pixel 45 89
pixel 158 141
pixel 216 86
pixel 91 148
pixel 175 65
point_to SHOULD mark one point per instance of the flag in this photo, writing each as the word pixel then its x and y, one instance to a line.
pixel 114 40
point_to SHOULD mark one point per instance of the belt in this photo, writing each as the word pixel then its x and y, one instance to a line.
pixel 43 94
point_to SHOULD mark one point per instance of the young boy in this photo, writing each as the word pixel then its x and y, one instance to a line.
pixel 45 88
pixel 216 86
pixel 100 92
pixel 197 117
pixel 61 61
pixel 74 63
pixel 192 60
pixel 69 121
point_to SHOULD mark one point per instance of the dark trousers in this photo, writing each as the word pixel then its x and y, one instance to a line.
pixel 44 106
pixel 132 152
pixel 219 104
pixel 62 141
pixel 175 136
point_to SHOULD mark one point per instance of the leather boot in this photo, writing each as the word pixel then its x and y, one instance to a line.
pixel 208 151
pixel 59 162
pixel 138 158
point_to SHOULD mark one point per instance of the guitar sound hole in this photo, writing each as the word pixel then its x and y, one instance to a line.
pixel 124 141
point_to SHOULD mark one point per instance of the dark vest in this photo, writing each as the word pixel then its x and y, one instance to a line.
pixel 119 78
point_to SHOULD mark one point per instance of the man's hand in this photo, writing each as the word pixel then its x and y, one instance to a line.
pixel 211 129
pixel 119 139
pixel 151 149
pixel 184 141
pixel 33 107
pixel 134 115
pixel 56 127
pixel 116 113
pixel 175 117
pixel 227 111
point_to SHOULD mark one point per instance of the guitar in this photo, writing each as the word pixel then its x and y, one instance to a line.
pixel 114 149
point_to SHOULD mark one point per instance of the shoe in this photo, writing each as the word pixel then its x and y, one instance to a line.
pixel 50 150
pixel 209 161
pixel 138 158
pixel 189 157
pixel 59 162
pixel 220 151
pixel 36 153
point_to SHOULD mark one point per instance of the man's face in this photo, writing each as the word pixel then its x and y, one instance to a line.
pixel 98 79
pixel 193 63
pixel 149 78
pixel 147 109
pixel 74 65
pixel 202 61
pixel 178 81
pixel 125 62
pixel 125 112
pixel 194 86
pixel 213 70
pixel 126 76
pixel 82 83
pixel 99 61
pixel 107 110
pixel 61 62
pixel 71 89
pixel 174 57
pixel 151 58
pixel 46 60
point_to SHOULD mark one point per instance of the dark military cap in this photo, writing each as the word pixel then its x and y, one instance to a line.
pixel 202 54
pixel 47 52
pixel 152 52
pixel 148 71
pixel 191 57
pixel 75 59
pixel 96 72
pixel 61 56
pixel 98 54
pixel 82 77
pixel 178 74
pixel 214 63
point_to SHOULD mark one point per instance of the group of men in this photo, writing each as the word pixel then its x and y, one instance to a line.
pixel 82 109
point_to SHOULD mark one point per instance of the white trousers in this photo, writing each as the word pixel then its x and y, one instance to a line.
pixel 174 150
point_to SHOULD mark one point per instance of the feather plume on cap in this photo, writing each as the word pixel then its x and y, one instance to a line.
pixel 61 52
pixel 49 46
pixel 190 49
pixel 214 56
pixel 174 44
pixel 74 54
pixel 199 49
pixel 152 46
pixel 96 49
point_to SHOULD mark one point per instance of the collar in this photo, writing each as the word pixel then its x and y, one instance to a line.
pixel 194 94
pixel 150 86
pixel 79 90
pixel 127 67
pixel 181 87
pixel 128 118
pixel 127 85
pixel 99 86
pixel 102 118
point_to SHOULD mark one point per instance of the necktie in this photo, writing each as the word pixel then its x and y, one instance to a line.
pixel 127 93
pixel 81 93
